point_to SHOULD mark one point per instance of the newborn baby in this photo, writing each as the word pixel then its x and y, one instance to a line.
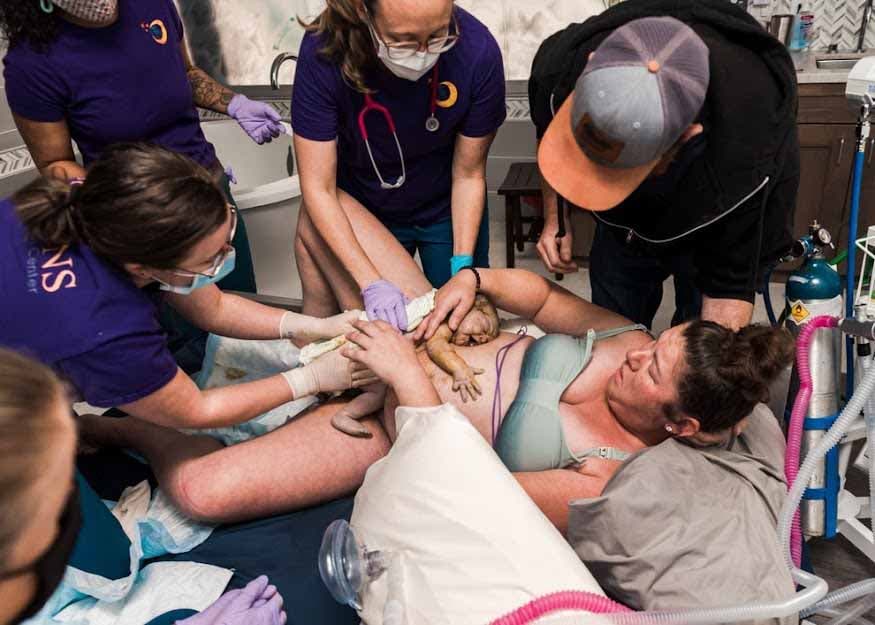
pixel 478 327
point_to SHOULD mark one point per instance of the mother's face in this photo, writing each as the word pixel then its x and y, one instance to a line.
pixel 646 382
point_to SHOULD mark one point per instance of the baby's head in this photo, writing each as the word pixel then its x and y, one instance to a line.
pixel 479 326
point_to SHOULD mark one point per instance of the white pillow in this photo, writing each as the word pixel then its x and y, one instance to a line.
pixel 473 546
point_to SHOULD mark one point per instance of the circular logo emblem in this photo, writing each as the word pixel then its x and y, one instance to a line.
pixel 448 95
pixel 157 29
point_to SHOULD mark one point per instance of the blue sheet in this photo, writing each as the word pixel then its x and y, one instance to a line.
pixel 283 547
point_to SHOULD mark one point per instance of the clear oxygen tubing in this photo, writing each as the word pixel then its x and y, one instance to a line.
pixel 865 363
pixel 870 452
pixel 852 616
pixel 832 613
pixel 842 596
pixel 797 419
pixel 806 471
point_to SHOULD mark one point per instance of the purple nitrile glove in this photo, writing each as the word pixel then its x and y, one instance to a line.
pixel 259 119
pixel 230 174
pixel 385 301
pixel 256 604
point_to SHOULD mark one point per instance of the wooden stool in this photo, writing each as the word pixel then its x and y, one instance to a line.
pixel 522 180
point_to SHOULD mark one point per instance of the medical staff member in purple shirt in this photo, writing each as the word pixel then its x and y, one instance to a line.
pixel 102 71
pixel 395 106
pixel 81 268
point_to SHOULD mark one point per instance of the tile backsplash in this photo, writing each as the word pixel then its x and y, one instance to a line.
pixel 835 21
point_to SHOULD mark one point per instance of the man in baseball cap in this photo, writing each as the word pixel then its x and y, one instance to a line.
pixel 673 121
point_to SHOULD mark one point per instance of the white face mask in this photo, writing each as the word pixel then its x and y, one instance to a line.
pixel 98 12
pixel 413 67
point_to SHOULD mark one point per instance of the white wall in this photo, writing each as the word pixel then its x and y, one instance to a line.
pixel 253 33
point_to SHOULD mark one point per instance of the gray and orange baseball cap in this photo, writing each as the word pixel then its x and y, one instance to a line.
pixel 641 89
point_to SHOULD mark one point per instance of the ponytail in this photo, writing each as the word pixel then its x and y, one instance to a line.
pixel 348 40
pixel 140 204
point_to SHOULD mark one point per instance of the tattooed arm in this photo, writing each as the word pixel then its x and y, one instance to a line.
pixel 208 93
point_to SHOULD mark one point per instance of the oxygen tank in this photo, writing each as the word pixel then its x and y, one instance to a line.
pixel 815 289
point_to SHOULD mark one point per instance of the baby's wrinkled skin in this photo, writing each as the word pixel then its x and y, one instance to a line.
pixel 478 327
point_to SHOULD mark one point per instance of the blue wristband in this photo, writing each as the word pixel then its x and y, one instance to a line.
pixel 457 263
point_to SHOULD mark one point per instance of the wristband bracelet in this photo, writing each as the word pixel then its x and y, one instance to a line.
pixel 476 275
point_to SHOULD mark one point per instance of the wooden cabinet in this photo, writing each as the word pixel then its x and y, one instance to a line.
pixel 826 155
pixel 828 142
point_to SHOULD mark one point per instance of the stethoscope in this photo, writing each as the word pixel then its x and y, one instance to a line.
pixel 431 124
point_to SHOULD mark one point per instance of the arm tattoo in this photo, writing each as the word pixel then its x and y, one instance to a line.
pixel 208 93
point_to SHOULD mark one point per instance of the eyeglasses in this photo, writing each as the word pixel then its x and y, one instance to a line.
pixel 406 49
pixel 220 258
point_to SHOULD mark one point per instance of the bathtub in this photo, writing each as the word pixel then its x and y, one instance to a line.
pixel 268 194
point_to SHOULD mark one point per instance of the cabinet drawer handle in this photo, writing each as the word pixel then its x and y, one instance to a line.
pixel 871 149
pixel 841 151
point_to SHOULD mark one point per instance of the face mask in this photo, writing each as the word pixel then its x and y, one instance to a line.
pixel 200 279
pixel 413 67
pixel 49 568
pixel 94 11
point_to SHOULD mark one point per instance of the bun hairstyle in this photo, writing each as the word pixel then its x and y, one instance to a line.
pixel 139 204
pixel 348 40
pixel 727 372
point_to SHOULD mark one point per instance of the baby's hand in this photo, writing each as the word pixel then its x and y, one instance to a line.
pixel 384 350
pixel 465 383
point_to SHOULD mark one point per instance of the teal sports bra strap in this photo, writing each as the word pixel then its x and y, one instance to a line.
pixel 606 334
pixel 606 453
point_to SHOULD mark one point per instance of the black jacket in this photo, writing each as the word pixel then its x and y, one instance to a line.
pixel 733 207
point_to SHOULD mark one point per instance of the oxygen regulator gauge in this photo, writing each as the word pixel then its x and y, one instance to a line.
pixel 821 235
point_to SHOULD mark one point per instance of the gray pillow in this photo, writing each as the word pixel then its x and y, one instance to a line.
pixel 679 527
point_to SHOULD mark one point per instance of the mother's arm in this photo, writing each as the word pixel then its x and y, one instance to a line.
pixel 552 491
pixel 523 293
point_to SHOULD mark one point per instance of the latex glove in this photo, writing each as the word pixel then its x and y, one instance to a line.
pixel 386 302
pixel 259 119
pixel 330 373
pixel 309 329
pixel 257 604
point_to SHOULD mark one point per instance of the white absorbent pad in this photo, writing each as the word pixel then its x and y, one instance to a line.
pixel 161 587
pixel 235 361
pixel 155 527
pixel 470 544
pixel 417 310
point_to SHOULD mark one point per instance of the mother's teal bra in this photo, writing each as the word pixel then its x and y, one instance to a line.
pixel 531 437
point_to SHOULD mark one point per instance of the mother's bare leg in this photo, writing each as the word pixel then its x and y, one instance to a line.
pixel 303 463
pixel 390 258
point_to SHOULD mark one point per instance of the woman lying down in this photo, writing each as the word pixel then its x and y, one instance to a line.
pixel 573 405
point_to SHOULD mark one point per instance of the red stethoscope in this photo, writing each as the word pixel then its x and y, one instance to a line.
pixel 431 124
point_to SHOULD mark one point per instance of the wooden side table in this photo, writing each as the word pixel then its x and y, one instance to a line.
pixel 522 180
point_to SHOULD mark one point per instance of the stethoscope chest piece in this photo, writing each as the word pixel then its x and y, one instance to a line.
pixel 432 124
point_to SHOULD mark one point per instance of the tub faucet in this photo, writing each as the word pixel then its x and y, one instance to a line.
pixel 864 27
pixel 277 63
